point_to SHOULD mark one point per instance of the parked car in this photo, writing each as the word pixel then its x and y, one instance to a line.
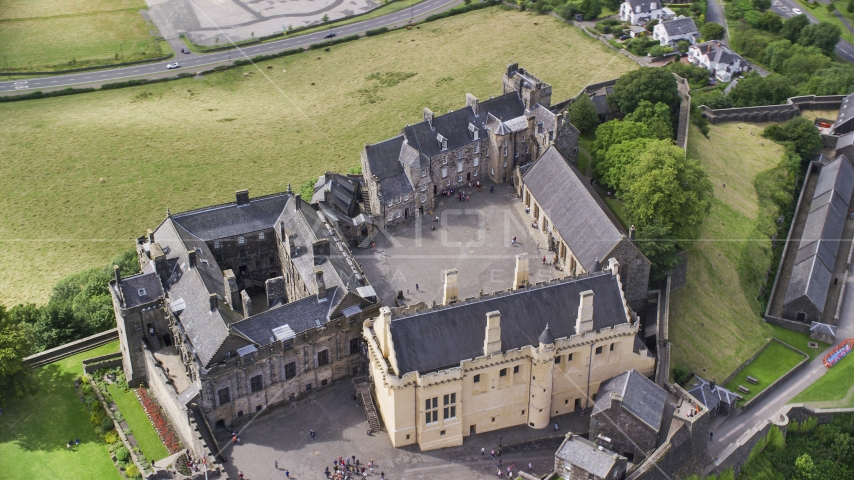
pixel 329 35
pixel 172 65
pixel 797 11
pixel 185 50
pixel 624 37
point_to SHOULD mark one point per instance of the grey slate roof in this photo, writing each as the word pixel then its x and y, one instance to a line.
pixel 680 26
pixel 575 211
pixel 845 141
pixel 454 126
pixel 720 57
pixel 443 337
pixel 641 397
pixel 546 338
pixel 133 286
pixel 302 315
pixel 228 220
pixel 384 163
pixel 823 328
pixel 584 454
pixel 503 107
pixel 644 4
pixel 703 392
pixel 846 112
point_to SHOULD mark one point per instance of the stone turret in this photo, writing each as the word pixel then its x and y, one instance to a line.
pixel 542 366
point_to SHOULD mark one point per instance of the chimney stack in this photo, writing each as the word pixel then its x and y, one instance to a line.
pixel 521 275
pixel 712 384
pixel 247 304
pixel 320 248
pixel 632 232
pixel 471 101
pixel 232 295
pixel 160 264
pixel 428 116
pixel 242 197
pixel 613 266
pixel 319 283
pixel 451 291
pixel 584 322
pixel 492 340
pixel 192 258
pixel 214 302
pixel 118 274
pixel 297 201
pixel 150 235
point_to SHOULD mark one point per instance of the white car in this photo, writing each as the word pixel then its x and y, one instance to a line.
pixel 797 11
pixel 172 65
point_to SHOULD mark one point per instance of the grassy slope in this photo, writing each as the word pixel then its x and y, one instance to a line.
pixel 34 430
pixel 770 365
pixel 714 320
pixel 190 143
pixel 39 33
pixel 140 425
pixel 834 386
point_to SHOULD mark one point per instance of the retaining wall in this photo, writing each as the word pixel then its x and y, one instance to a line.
pixel 789 324
pixel 684 112
pixel 111 360
pixel 773 113
pixel 71 348
pixel 776 383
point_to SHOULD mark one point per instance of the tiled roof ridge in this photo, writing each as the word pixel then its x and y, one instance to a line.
pixel 209 208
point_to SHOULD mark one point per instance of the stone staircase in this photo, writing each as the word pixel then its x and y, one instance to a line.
pixel 366 242
pixel 364 388
pixel 366 201
pixel 204 431
pixel 155 342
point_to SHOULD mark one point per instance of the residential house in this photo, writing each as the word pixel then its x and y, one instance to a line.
pixel 671 32
pixel 580 459
pixel 639 12
pixel 722 62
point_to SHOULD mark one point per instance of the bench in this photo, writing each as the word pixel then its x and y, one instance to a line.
pixel 739 397
pixel 743 389
pixel 752 380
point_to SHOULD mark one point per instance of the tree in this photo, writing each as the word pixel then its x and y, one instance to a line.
pixel 615 132
pixel 804 135
pixel 831 7
pixel 756 90
pixel 836 79
pixel 655 117
pixel 16 342
pixel 850 7
pixel 583 114
pixel 614 5
pixel 58 325
pixel 612 167
pixel 805 63
pixel 792 27
pixel 650 25
pixel 804 467
pixel 682 46
pixel 823 35
pixel 713 31
pixel 646 83
pixel 665 189
pixel 771 22
pixel 761 5
pixel 591 9
pixel 697 77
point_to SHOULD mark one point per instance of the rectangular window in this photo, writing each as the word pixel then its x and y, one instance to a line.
pixel 598 350
pixel 444 159
pixel 493 171
pixel 477 378
pixel 217 244
pixel 516 369
pixel 423 188
pixel 505 163
pixel 260 235
pixel 431 411
pixel 476 148
pixel 391 203
pixel 241 239
pixel 423 173
pixel 355 345
pixel 475 161
pixel 557 358
pixel 406 198
pixel 569 358
pixel 256 384
pixel 448 183
pixel 459 178
pixel 423 198
pixel 141 292
pixel 459 167
pixel 474 174
pixel 505 151
pixel 459 154
pixel 290 370
pixel 224 395
pixel 444 172
pixel 450 406
pixel 397 201
pixel 611 348
pixel 517 153
pixel 502 372
pixel 526 149
pixel 397 214
pixel 391 216
pixel 308 387
pixel 242 253
pixel 322 358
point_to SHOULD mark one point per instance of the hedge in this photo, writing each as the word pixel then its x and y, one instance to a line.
pixel 461 9
pixel 40 94
pixel 349 38
pixel 376 31
pixel 283 53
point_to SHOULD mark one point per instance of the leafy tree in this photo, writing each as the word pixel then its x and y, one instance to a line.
pixel 804 467
pixel 802 134
pixel 714 31
pixel 612 167
pixel 591 9
pixel 659 50
pixel 713 99
pixel 682 46
pixel 756 90
pixel 656 243
pixel 697 76
pixel 738 9
pixel 664 188
pixel 613 5
pixel 753 18
pixel 650 25
pixel 823 35
pixel 615 132
pixel 681 373
pixel 745 41
pixel 58 325
pixel 646 83
pixel 761 5
pixel 830 7
pixel 836 79
pixel 850 7
pixel 655 117
pixel 792 27
pixel 16 342
pixel 583 114
pixel 805 63
pixel 771 22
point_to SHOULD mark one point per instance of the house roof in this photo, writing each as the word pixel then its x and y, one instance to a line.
pixel 823 328
pixel 679 26
pixel 702 390
pixel 453 126
pixel 846 112
pixel 140 289
pixel 300 315
pixel 845 141
pixel 584 454
pixel 384 163
pixel 445 336
pixel 573 208
pixel 228 220
pixel 503 107
pixel 641 397
pixel 719 56
pixel 645 5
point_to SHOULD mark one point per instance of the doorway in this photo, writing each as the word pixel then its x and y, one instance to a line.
pixel 435 189
pixel 468 177
pixel 405 213
pixel 421 210
pixel 167 340
pixel 473 430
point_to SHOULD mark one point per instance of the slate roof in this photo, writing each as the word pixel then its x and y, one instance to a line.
pixel 574 210
pixel 644 4
pixel 545 119
pixel 503 107
pixel 703 392
pixel 823 328
pixel 301 315
pixel 546 338
pixel 845 141
pixel 584 454
pixel 720 57
pixel 231 219
pixel 680 26
pixel 846 112
pixel 454 126
pixel 140 289
pixel 641 397
pixel 445 336
pixel 340 192
pixel 384 163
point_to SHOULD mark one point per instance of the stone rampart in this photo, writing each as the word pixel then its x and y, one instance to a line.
pixel 71 348
pixel 684 112
pixel 111 360
pixel 789 324
pixel 773 113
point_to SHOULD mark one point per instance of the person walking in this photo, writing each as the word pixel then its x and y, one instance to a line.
pixel 493 454
pixel 482 451
pixel 287 473
pixel 530 467
pixel 276 464
pixel 416 287
pixel 556 427
pixel 711 434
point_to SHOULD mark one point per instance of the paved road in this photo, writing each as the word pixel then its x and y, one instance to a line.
pixel 732 428
pixel 784 9
pixel 192 63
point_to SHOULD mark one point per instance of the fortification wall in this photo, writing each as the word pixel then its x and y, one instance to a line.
pixel 773 113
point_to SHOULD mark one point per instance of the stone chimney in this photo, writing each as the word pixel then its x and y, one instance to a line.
pixel 297 201
pixel 247 304
pixel 160 265
pixel 290 246
pixel 118 274
pixel 492 341
pixel 584 322
pixel 428 116
pixel 471 101
pixel 150 235
pixel 613 266
pixel 713 384
pixel 242 197
pixel 214 302
pixel 382 329
pixel 192 258
pixel 319 283
pixel 520 278
pixel 632 232
pixel 232 295
pixel 452 291
pixel 320 248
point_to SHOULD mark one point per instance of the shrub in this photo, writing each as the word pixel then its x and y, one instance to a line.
pixel 107 424
pixel 376 31
pixel 681 373
pixel 122 454
pixel 132 472
pixel 111 437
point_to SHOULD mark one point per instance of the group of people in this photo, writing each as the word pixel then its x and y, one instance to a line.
pixel 194 463
pixel 349 468
pixel 72 443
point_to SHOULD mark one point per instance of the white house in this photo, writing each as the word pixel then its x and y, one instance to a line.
pixel 718 59
pixel 638 12
pixel 672 31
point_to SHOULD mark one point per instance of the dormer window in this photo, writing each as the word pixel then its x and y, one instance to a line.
pixel 260 235
pixel 474 131
pixel 443 142
pixel 652 6
pixel 423 173
pixel 398 200
pixel 141 292
pixel 217 244
pixel 391 203
pixel 241 239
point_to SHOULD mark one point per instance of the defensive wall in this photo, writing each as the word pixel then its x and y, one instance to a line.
pixel 72 348
pixel 773 113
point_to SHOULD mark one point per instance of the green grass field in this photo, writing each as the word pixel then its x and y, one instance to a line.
pixel 798 340
pixel 37 35
pixel 35 429
pixel 190 143
pixel 834 389
pixel 714 319
pixel 140 425
pixel 770 365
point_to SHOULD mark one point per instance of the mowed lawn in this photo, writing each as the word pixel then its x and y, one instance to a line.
pixel 834 389
pixel 714 319
pixel 53 35
pixel 191 143
pixel 770 365
pixel 35 429
pixel 138 422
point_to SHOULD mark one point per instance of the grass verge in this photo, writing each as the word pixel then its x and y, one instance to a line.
pixel 834 389
pixel 140 425
pixel 34 430
pixel 92 172
pixel 770 365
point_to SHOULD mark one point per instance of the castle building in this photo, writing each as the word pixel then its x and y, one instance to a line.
pixel 241 306
pixel 484 140
pixel 511 358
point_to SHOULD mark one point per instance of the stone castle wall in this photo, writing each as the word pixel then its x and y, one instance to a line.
pixel 773 113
